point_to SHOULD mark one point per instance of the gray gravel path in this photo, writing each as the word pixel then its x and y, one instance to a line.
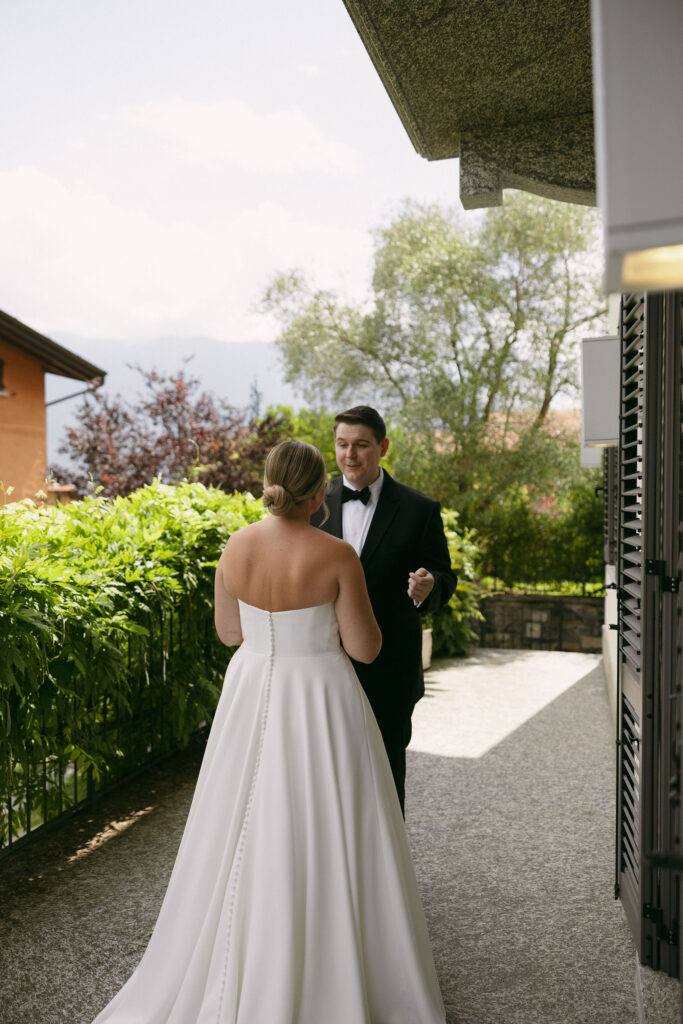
pixel 511 815
pixel 510 811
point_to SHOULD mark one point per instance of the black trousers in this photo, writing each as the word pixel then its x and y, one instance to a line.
pixel 389 689
pixel 396 731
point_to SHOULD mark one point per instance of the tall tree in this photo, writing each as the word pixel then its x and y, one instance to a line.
pixel 468 336
pixel 171 431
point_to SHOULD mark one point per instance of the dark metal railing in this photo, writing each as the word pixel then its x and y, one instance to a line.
pixel 117 736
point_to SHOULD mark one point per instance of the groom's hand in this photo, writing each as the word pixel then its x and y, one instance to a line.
pixel 420 585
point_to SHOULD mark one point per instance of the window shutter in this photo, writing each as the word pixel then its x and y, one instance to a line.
pixel 649 544
pixel 610 504
pixel 676 612
pixel 671 597
pixel 630 583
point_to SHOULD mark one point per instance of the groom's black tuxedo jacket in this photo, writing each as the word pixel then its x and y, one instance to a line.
pixel 406 532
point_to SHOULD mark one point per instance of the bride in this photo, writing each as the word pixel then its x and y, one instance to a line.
pixel 293 898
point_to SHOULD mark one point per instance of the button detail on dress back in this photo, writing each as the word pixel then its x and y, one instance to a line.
pixel 239 852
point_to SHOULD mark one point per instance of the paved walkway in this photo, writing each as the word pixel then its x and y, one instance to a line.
pixel 511 814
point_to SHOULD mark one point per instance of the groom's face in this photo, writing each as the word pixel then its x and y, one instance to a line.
pixel 358 453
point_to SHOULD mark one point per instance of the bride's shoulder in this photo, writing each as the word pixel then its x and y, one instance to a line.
pixel 335 546
pixel 245 532
pixel 241 539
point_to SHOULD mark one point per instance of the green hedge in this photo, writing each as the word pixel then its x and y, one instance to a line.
pixel 523 544
pixel 108 654
pixel 452 632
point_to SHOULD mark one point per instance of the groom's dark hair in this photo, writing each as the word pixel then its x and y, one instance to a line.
pixel 366 415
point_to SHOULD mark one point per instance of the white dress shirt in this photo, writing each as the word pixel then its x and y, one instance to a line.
pixel 356 517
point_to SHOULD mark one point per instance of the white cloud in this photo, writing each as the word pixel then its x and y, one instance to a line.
pixel 230 132
pixel 310 70
pixel 80 263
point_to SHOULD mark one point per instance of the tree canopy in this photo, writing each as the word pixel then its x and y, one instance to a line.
pixel 467 337
pixel 171 431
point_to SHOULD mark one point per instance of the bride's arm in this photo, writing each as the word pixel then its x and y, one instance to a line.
pixel 227 611
pixel 358 627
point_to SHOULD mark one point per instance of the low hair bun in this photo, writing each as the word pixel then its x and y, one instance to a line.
pixel 277 500
pixel 294 472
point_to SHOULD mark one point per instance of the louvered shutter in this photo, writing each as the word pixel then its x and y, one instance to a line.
pixel 649 621
pixel 635 783
pixel 669 576
pixel 610 504
pixel 677 619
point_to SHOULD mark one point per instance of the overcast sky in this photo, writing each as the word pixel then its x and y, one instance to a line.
pixel 160 159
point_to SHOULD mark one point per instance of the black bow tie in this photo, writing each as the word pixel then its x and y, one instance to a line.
pixel 350 495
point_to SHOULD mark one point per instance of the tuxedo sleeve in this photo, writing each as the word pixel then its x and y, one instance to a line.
pixel 435 557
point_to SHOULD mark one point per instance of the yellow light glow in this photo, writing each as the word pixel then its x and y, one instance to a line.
pixel 113 829
pixel 653 268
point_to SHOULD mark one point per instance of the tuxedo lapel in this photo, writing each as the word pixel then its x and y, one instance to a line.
pixel 387 506
pixel 334 505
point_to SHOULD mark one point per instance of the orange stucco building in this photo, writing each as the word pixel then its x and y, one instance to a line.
pixel 25 358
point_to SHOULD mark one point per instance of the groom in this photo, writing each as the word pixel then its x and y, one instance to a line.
pixel 399 536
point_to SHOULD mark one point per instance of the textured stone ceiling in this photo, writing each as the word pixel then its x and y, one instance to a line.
pixel 505 86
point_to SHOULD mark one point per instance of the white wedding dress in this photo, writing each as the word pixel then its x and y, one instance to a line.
pixel 293 897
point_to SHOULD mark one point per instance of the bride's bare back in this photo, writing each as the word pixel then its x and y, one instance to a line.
pixel 281 564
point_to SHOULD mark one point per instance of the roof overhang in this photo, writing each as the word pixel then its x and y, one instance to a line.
pixel 506 88
pixel 54 358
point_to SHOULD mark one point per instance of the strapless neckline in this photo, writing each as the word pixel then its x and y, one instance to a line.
pixel 284 611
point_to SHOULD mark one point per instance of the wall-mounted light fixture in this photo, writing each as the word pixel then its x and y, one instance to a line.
pixel 653 269
pixel 638 97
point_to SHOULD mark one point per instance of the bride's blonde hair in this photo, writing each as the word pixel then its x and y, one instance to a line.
pixel 294 472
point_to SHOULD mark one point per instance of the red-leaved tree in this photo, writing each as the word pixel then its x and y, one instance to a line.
pixel 172 432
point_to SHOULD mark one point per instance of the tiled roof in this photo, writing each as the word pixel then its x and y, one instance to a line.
pixel 54 358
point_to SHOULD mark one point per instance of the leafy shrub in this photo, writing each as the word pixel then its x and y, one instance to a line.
pixel 108 653
pixel 168 432
pixel 526 544
pixel 452 632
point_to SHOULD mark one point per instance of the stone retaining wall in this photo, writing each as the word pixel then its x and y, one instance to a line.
pixel 541 622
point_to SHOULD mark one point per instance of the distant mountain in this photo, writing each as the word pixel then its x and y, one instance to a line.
pixel 225 368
